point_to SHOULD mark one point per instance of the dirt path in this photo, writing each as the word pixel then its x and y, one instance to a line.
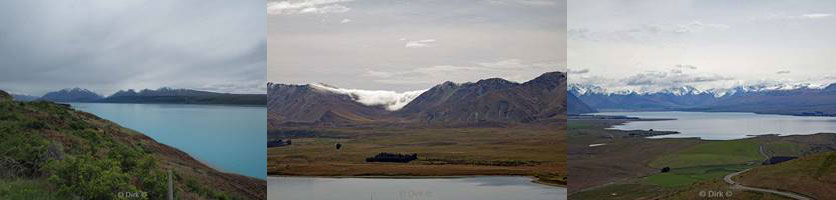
pixel 765 157
pixel 738 186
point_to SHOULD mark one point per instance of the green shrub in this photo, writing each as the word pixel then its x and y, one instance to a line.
pixel 23 154
pixel 150 178
pixel 211 194
pixel 36 124
pixel 89 178
pixel 26 189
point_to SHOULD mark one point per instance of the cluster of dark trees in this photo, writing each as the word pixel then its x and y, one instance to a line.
pixel 777 159
pixel 278 143
pixel 393 157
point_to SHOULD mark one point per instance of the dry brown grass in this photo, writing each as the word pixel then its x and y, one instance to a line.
pixel 529 150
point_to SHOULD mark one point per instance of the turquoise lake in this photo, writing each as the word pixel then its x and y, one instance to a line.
pixel 725 125
pixel 228 138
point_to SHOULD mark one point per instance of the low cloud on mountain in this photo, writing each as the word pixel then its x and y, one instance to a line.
pixel 388 99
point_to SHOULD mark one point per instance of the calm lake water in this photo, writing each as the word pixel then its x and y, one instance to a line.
pixel 228 138
pixel 467 188
pixel 726 125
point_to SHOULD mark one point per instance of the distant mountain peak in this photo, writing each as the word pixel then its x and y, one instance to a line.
pixel 72 95
pixel 494 81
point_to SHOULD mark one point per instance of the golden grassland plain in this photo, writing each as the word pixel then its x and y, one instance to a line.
pixel 527 150
pixel 621 166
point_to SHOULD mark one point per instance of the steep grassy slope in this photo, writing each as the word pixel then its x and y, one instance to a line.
pixel 50 151
pixel 813 175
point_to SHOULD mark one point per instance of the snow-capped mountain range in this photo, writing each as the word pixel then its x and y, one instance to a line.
pixel 794 99
pixel 585 89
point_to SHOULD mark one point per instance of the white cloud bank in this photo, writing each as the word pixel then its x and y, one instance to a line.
pixel 390 100
pixel 419 43
pixel 306 7
pixel 816 15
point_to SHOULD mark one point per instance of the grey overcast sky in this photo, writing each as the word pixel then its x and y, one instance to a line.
pixel 652 44
pixel 402 45
pixel 105 45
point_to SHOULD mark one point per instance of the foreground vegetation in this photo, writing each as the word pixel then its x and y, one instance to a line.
pixel 50 151
pixel 527 150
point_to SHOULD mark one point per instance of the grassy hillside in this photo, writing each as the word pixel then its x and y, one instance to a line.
pixel 711 153
pixel 50 151
pixel 813 175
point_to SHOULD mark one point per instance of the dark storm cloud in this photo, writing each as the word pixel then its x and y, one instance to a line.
pixel 111 45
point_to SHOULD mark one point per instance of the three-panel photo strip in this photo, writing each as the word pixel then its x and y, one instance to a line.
pixel 418 99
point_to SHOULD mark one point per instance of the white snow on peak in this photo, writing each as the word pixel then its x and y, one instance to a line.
pixel 680 91
pixel 582 89
pixel 390 100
